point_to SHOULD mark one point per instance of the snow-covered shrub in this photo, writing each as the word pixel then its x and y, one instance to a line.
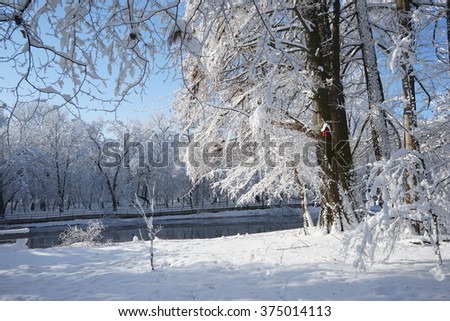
pixel 75 234
pixel 414 202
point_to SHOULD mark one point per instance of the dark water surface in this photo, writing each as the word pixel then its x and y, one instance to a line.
pixel 179 228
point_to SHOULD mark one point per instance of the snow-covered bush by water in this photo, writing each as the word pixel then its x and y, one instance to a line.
pixel 75 234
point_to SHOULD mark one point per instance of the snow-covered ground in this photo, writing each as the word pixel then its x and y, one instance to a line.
pixel 284 265
pixel 14 231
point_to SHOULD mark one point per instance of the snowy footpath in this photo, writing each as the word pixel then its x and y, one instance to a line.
pixel 282 265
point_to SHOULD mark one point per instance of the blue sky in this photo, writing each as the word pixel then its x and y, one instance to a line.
pixel 157 98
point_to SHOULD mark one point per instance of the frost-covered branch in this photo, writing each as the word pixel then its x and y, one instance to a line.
pixel 398 215
pixel 87 48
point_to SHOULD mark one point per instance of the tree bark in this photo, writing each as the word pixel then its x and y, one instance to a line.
pixel 307 219
pixel 374 85
pixel 408 82
pixel 333 151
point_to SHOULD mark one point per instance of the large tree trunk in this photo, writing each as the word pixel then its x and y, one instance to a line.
pixel 408 82
pixel 374 86
pixel 408 89
pixel 333 151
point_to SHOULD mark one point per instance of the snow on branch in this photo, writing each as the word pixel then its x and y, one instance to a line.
pixel 408 205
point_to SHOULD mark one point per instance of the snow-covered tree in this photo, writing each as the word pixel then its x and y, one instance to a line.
pixel 153 165
pixel 109 157
pixel 325 99
pixel 269 74
pixel 374 86
pixel 42 151
pixel 409 185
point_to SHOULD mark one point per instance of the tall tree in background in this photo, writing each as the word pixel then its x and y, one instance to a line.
pixel 111 170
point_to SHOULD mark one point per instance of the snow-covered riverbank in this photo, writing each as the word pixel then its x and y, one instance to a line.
pixel 283 265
